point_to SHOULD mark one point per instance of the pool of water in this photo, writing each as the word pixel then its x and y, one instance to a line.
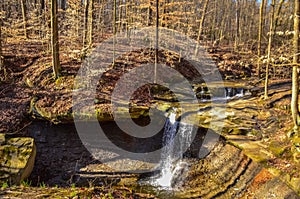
pixel 225 172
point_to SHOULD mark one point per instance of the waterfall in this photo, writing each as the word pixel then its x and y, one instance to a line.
pixel 177 137
pixel 240 92
pixel 205 94
pixel 234 92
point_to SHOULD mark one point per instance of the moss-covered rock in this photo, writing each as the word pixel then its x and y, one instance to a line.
pixel 296 149
pixel 17 156
pixel 276 148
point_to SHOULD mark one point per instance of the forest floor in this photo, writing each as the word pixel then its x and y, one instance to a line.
pixel 28 74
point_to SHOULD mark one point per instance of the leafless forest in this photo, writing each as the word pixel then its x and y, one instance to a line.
pixel 254 44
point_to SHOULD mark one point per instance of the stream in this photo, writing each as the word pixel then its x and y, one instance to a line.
pixel 224 172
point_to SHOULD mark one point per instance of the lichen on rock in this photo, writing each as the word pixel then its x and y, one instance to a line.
pixel 17 158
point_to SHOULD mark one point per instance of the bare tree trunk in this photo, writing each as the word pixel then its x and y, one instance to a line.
pixel 23 4
pixel 276 17
pixel 200 30
pixel 156 41
pixel 41 15
pixel 85 29
pixel 78 7
pixel 163 18
pixel 1 59
pixel 128 17
pixel 180 23
pixel 149 18
pixel 42 6
pixel 222 29
pixel 114 29
pixel 260 28
pixel 215 18
pixel 237 24
pixel 54 40
pixel 99 21
pixel 90 19
pixel 269 48
pixel 278 13
pixel 251 20
pixel 295 78
pixel 120 17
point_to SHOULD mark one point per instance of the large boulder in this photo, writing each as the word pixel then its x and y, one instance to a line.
pixel 17 156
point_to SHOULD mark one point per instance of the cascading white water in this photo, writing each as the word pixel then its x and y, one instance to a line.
pixel 172 154
pixel 234 92
pixel 219 94
pixel 240 92
pixel 177 137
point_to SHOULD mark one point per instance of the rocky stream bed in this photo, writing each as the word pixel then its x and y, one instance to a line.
pixel 252 157
pixel 238 166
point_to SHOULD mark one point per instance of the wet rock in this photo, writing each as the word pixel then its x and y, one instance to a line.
pixel 17 156
pixel 296 149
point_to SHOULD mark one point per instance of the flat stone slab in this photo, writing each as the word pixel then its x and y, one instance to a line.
pixel 17 157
